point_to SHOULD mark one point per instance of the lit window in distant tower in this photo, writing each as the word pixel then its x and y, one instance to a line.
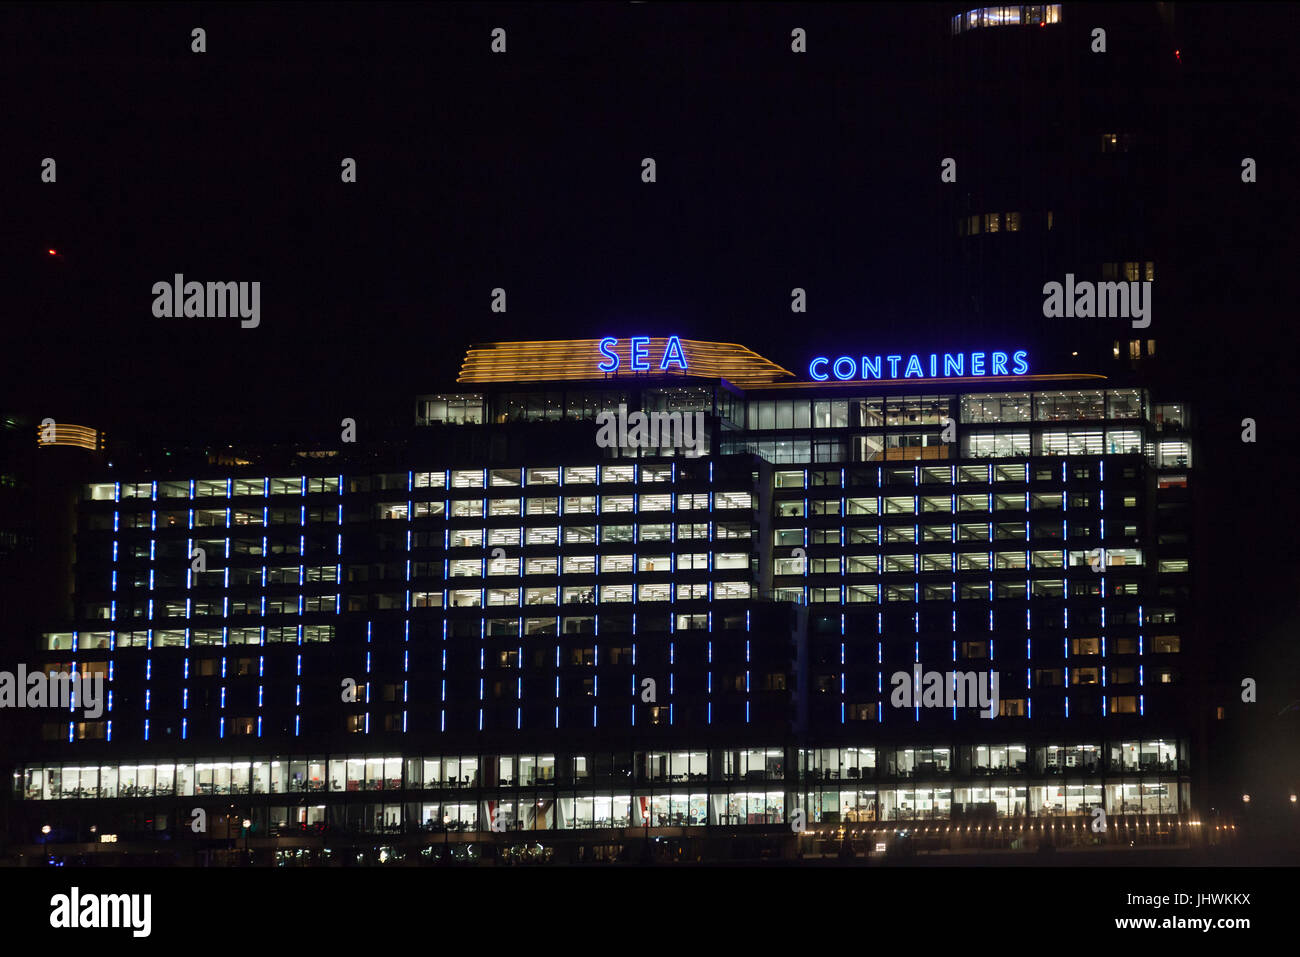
pixel 1013 222
pixel 1007 16
pixel 991 222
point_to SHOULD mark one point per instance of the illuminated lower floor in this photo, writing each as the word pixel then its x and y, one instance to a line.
pixel 585 794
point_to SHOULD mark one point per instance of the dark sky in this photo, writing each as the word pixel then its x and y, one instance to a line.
pixel 474 171
pixel 519 171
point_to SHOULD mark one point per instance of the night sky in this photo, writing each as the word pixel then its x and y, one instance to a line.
pixel 474 171
pixel 523 171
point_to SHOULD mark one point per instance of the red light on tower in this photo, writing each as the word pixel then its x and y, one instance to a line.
pixel 52 252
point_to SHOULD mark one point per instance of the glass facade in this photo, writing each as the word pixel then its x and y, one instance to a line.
pixel 338 650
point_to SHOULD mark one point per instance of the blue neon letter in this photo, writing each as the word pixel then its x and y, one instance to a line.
pixel 640 346
pixel 674 347
pixel 1021 366
pixel 999 363
pixel 977 363
pixel 607 350
pixel 954 366
pixel 845 375
pixel 812 368
pixel 872 367
pixel 913 362
pixel 893 365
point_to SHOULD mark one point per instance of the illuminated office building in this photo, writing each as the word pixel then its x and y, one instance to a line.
pixel 1060 169
pixel 383 649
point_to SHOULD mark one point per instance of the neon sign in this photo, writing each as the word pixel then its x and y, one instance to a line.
pixel 638 358
pixel 846 368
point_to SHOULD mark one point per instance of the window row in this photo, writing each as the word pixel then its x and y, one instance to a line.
pixel 957 561
pixel 188 637
pixel 954 591
pixel 211 488
pixel 965 532
pixel 214 518
pixel 1000 445
pixel 596 594
pixel 385 772
pixel 566 475
pixel 588 564
pixel 1007 16
pixel 871 412
pixel 988 223
pixel 917 475
pixel 981 408
pixel 911 504
pixel 566 505
pixel 582 534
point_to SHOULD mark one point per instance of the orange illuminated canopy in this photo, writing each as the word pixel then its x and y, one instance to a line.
pixel 617 358
pixel 79 436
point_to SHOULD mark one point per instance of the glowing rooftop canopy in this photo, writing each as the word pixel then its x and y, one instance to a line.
pixel 610 358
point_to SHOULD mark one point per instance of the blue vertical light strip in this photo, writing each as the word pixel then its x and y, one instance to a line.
pixel 369 639
pixel 843 667
pixel 880 658
pixel 748 660
pixel 916 682
pixel 482 662
pixel 406 624
pixel 954 669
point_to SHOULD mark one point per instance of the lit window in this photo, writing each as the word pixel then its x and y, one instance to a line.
pixel 991 222
pixel 1013 222
pixel 1007 16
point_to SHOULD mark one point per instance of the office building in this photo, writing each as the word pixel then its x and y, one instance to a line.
pixel 493 632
